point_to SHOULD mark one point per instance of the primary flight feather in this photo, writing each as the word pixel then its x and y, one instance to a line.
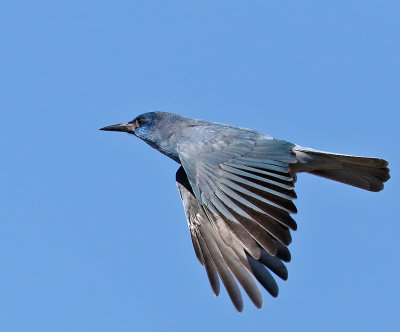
pixel 237 190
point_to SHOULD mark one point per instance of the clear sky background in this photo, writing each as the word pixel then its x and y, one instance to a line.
pixel 92 232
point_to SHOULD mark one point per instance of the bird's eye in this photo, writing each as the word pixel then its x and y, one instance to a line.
pixel 139 122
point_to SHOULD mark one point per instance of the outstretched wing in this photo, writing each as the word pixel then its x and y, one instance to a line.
pixel 242 181
pixel 229 260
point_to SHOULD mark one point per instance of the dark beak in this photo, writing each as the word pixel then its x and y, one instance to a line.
pixel 125 127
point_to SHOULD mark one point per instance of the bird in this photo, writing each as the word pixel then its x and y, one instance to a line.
pixel 237 190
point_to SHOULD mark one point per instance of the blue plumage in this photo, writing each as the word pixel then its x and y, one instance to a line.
pixel 237 189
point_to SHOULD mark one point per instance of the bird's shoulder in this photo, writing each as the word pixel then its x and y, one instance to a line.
pixel 215 138
pixel 215 143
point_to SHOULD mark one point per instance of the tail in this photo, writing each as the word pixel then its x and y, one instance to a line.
pixel 361 172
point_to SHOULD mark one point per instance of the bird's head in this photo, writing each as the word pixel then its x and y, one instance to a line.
pixel 161 130
pixel 140 126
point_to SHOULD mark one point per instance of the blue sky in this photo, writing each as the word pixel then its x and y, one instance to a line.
pixel 93 236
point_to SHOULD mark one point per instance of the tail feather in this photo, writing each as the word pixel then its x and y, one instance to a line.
pixel 361 172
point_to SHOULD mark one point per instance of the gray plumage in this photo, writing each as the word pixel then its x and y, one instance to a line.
pixel 237 190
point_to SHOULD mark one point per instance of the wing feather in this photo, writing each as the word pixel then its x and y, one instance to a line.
pixel 237 269
pixel 223 270
pixel 196 246
pixel 253 176
pixel 239 190
pixel 262 197
pixel 223 253
pixel 240 232
pixel 263 172
pixel 211 269
pixel 286 194
pixel 245 178
pixel 259 164
pixel 263 276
